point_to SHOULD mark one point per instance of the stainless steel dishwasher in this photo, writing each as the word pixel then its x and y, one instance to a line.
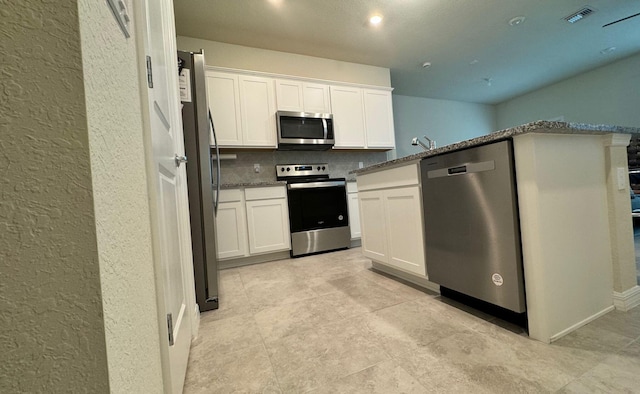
pixel 472 232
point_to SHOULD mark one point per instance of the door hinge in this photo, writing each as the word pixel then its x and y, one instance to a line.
pixel 149 72
pixel 170 327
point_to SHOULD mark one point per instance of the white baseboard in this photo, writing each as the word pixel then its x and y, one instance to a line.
pixel 195 322
pixel 574 327
pixel 628 299
pixel 416 280
pixel 257 259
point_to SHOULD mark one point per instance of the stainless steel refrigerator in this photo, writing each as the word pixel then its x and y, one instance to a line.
pixel 203 175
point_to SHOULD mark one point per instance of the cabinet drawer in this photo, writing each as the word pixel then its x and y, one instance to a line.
pixel 395 177
pixel 264 193
pixel 230 195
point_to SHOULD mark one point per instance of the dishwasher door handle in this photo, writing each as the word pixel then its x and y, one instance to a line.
pixel 468 168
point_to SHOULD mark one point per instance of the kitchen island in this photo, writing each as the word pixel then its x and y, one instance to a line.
pixel 574 212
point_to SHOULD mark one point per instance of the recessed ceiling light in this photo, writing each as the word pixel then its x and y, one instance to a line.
pixel 515 21
pixel 474 61
pixel 375 20
pixel 426 64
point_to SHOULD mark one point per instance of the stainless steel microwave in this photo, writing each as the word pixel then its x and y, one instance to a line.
pixel 304 131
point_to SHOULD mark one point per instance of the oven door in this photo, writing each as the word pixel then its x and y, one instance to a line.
pixel 317 205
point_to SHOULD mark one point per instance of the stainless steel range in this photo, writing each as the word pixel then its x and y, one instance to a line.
pixel 318 216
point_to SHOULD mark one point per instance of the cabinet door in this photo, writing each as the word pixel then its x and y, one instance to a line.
pixel 268 222
pixel 354 215
pixel 257 98
pixel 224 102
pixel 289 95
pixel 232 230
pixel 403 218
pixel 374 237
pixel 348 117
pixel 378 109
pixel 316 98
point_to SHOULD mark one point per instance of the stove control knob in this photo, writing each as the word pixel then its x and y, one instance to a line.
pixel 288 169
pixel 322 168
pixel 318 168
pixel 282 169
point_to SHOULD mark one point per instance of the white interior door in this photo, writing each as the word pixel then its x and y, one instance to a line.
pixel 170 216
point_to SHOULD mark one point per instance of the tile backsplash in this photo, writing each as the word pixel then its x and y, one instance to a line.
pixel 241 169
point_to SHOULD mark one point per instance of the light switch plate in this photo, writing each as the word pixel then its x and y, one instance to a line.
pixel 119 10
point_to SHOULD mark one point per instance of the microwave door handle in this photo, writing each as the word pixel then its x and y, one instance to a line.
pixel 324 125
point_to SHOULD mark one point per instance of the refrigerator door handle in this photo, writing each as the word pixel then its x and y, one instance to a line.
pixel 215 142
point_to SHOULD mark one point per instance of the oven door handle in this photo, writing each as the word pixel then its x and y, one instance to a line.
pixel 313 185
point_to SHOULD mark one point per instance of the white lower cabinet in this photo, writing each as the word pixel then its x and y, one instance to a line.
pixel 253 221
pixel 372 221
pixel 403 220
pixel 391 218
pixel 231 225
pixel 268 226
pixel 354 210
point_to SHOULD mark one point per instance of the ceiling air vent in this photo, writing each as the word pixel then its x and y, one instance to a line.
pixel 576 16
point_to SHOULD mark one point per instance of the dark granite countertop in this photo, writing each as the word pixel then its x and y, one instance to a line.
pixel 541 126
pixel 252 184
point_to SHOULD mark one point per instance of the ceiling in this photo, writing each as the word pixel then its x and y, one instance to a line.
pixel 475 54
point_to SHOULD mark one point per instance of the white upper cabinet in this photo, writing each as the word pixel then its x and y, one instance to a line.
pixel 298 96
pixel 243 109
pixel 289 95
pixel 378 110
pixel 316 98
pixel 348 117
pixel 362 118
pixel 258 108
pixel 243 105
pixel 224 101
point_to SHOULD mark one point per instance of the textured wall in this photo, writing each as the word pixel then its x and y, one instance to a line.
pixel 121 201
pixel 247 58
pixel 606 95
pixel 445 121
pixel 52 332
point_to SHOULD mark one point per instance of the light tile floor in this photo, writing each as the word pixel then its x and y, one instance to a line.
pixel 329 324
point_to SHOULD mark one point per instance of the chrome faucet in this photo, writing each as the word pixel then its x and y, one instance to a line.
pixel 426 148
